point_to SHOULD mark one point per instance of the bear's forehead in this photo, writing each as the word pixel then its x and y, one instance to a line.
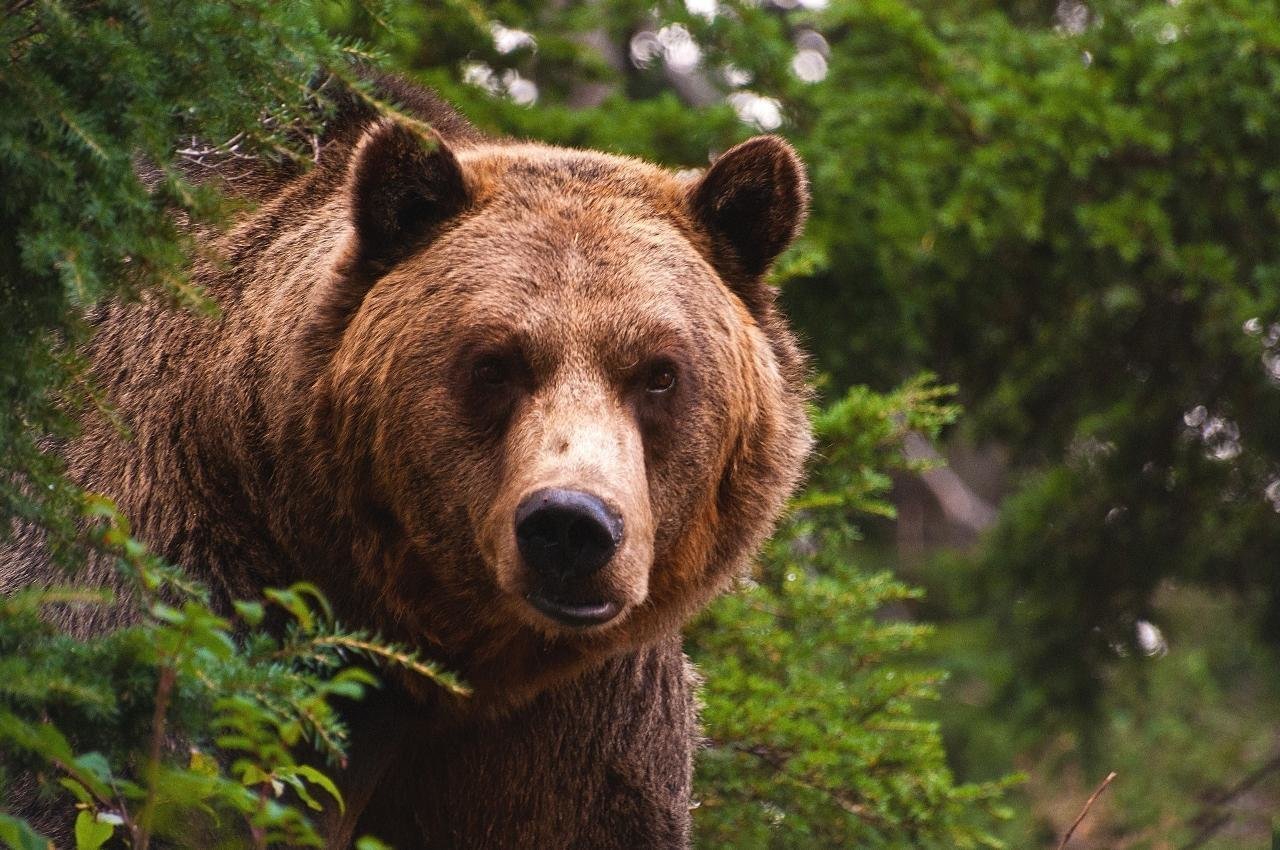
pixel 552 217
pixel 627 264
pixel 599 251
pixel 556 233
pixel 533 173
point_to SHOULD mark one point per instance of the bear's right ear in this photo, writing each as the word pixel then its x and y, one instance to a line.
pixel 402 186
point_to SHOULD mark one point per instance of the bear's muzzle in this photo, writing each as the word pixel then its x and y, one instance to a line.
pixel 564 537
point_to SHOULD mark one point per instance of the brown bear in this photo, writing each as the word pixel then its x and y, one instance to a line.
pixel 524 407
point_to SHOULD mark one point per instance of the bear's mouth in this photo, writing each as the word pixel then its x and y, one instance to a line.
pixel 579 615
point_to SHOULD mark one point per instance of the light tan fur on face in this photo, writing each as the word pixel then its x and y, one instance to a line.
pixel 575 436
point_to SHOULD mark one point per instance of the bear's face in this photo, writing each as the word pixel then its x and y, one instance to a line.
pixel 564 404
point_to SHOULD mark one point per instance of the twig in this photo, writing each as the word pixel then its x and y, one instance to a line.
pixel 396 655
pixel 16 7
pixel 1088 805
pixel 778 760
pixel 164 691
pixel 1210 821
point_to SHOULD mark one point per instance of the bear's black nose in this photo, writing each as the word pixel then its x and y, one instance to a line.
pixel 565 535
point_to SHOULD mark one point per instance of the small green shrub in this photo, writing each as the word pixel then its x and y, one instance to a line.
pixel 187 724
pixel 813 736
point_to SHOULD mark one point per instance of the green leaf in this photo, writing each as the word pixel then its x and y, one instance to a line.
pixel 318 778
pixel 90 832
pixel 294 604
pixel 77 790
pixel 253 775
pixel 202 763
pixel 96 765
pixel 251 612
pixel 18 835
pixel 368 842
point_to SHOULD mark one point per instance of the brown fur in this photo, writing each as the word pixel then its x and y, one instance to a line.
pixel 329 426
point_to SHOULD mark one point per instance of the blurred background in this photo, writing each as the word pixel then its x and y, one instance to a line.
pixel 1070 213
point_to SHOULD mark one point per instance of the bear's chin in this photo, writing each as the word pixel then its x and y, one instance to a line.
pixel 536 655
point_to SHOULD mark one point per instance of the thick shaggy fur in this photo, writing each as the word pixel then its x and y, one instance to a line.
pixel 414 336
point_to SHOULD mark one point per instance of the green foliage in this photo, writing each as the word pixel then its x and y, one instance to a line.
pixel 96 721
pixel 1189 730
pixel 90 89
pixel 861 437
pixel 813 737
pixel 1072 217
pixel 18 835
pixel 1076 227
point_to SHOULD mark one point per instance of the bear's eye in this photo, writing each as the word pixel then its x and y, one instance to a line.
pixel 662 378
pixel 492 371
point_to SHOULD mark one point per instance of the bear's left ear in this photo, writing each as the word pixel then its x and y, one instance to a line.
pixel 753 201
pixel 403 185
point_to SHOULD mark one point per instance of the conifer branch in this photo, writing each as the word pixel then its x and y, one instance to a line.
pixel 399 657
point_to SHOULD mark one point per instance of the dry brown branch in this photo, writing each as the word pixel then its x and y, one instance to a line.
pixel 1088 805
pixel 1212 819
pixel 960 503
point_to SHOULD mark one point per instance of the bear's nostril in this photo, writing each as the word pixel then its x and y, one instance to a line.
pixel 566 534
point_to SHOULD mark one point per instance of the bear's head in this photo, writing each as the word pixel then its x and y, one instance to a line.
pixel 555 385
